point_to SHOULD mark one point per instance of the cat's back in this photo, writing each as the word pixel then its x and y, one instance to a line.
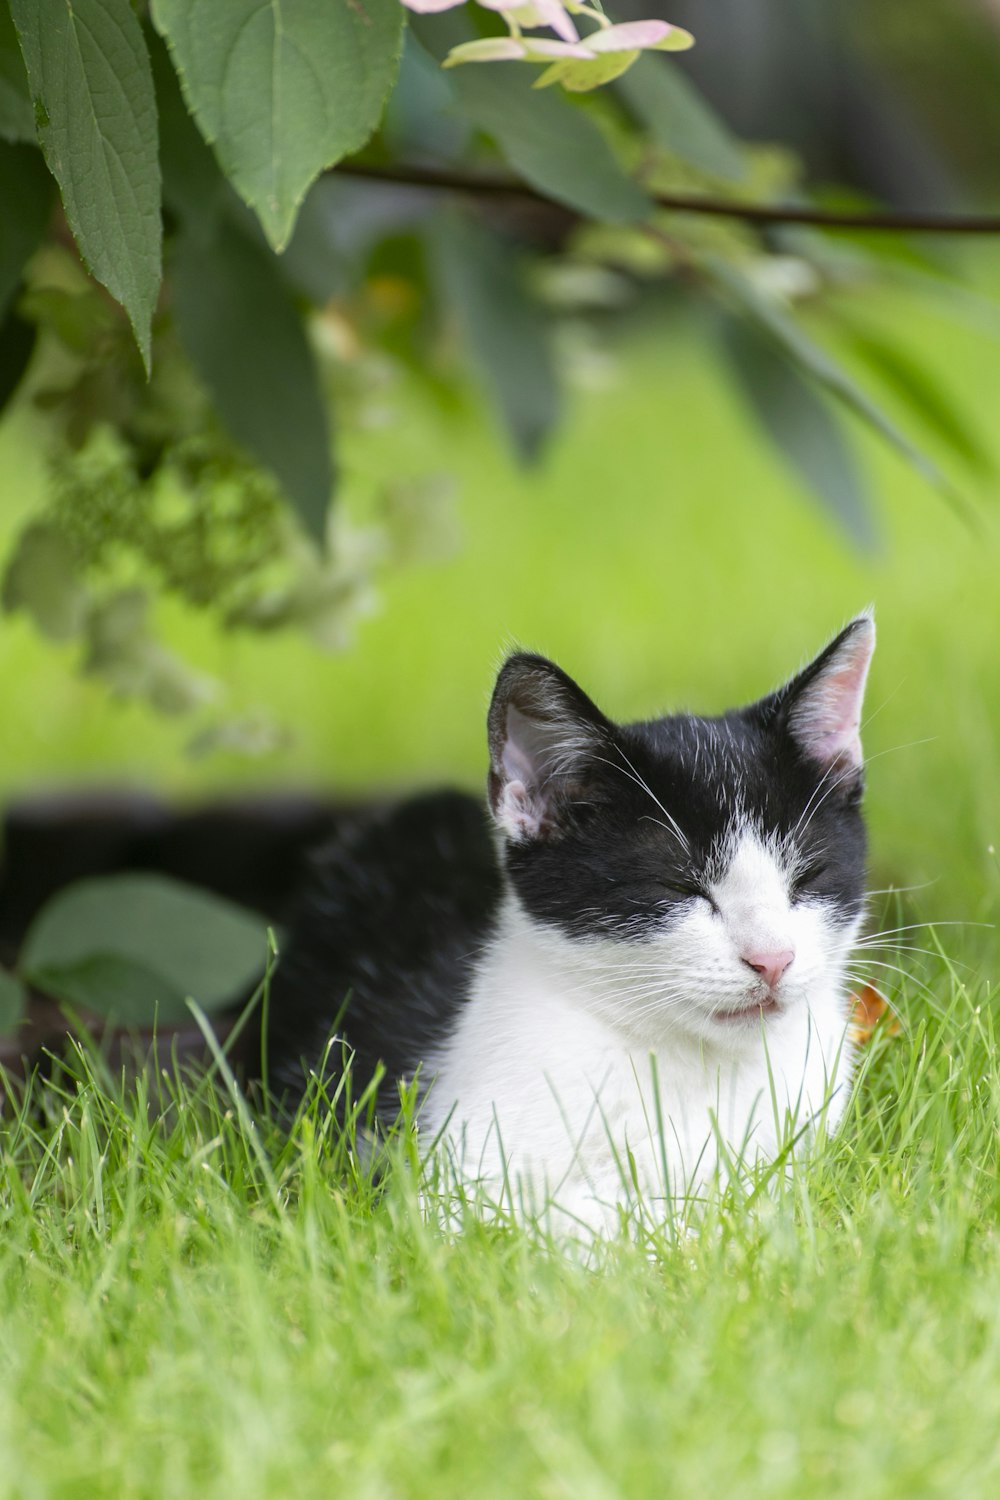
pixel 393 916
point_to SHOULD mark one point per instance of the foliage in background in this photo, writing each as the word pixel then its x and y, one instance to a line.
pixel 244 303
pixel 133 949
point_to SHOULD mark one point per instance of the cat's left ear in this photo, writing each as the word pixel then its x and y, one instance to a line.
pixel 545 739
pixel 822 705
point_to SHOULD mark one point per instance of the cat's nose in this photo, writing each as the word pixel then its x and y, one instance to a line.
pixel 771 965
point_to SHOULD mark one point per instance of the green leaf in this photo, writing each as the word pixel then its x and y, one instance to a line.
pixel 41 579
pixel 92 87
pixel 550 142
pixel 140 945
pixel 282 90
pixel 482 277
pixel 13 1002
pixel 914 385
pixel 120 988
pixel 193 185
pixel 240 327
pixel 796 419
pixel 677 117
pixel 17 120
pixel 581 76
pixel 553 144
pixel 25 201
pixel 771 318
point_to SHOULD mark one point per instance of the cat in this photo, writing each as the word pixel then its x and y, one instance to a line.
pixel 629 970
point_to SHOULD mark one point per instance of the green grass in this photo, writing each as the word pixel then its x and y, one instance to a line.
pixel 201 1306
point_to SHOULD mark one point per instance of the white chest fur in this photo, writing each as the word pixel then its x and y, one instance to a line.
pixel 578 1065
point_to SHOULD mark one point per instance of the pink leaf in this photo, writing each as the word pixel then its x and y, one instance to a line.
pixel 428 7
pixel 551 13
pixel 532 13
pixel 487 49
pixel 629 36
pixel 676 40
pixel 541 49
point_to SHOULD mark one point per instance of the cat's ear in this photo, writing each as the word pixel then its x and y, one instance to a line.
pixel 822 705
pixel 545 736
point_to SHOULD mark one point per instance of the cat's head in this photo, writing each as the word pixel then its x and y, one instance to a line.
pixel 713 867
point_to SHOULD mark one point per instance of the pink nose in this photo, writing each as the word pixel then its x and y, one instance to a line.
pixel 770 966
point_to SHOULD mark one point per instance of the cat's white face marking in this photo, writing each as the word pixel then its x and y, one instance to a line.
pixel 756 919
pixel 696 975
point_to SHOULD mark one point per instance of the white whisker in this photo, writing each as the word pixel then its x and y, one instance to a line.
pixel 640 782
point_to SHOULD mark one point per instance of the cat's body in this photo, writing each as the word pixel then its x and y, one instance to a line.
pixel 639 972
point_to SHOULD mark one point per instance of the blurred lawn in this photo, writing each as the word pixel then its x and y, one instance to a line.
pixel 662 555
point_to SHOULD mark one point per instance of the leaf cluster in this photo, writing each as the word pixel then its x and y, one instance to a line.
pixel 218 280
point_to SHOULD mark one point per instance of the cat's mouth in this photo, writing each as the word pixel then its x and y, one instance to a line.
pixel 754 1012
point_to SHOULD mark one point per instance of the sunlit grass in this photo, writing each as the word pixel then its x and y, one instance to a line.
pixel 194 1302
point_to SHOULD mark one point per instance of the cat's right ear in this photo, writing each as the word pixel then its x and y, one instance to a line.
pixel 545 737
pixel 822 705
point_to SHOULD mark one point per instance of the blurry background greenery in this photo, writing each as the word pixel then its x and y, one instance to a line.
pixel 660 550
pixel 661 554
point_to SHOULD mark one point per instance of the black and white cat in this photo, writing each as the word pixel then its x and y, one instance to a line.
pixel 637 973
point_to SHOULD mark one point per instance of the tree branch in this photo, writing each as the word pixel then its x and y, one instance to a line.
pixel 481 184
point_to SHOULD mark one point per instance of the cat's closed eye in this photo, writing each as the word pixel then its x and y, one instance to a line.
pixel 684 890
pixel 808 877
pixel 652 891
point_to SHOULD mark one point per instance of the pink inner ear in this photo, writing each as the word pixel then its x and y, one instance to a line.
pixel 521 807
pixel 526 748
pixel 518 812
pixel 517 765
pixel 827 719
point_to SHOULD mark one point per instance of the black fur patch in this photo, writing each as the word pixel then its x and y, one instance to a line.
pixel 383 944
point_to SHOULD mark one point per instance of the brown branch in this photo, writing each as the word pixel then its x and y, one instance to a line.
pixel 487 185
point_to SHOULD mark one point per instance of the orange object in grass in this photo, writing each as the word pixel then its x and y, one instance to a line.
pixel 871 1012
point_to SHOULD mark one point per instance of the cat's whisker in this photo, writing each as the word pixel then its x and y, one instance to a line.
pixel 805 815
pixel 874 713
pixel 927 994
pixel 907 745
pixel 846 775
pixel 926 927
pixel 900 890
pixel 895 944
pixel 640 782
pixel 910 948
pixel 670 828
pixel 642 1007
pixel 618 993
pixel 852 771
pixel 883 963
pixel 905 974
